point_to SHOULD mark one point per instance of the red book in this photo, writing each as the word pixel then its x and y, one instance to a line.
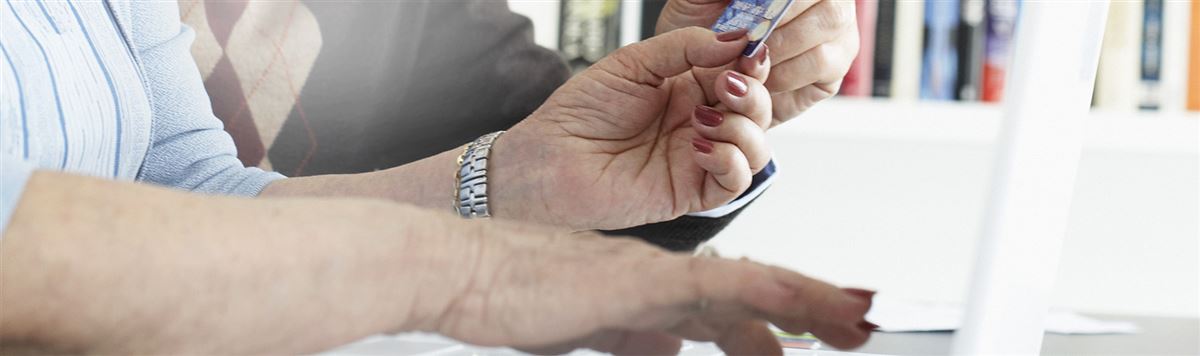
pixel 858 80
pixel 1193 99
pixel 1001 19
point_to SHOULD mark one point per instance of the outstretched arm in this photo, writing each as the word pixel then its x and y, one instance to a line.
pixel 103 267
pixel 100 266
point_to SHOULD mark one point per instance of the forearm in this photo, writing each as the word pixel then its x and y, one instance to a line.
pixel 427 183
pixel 99 266
pixel 517 173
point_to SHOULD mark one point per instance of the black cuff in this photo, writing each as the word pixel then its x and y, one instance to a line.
pixel 682 234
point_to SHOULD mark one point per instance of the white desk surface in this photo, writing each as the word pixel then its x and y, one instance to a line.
pixel 1158 336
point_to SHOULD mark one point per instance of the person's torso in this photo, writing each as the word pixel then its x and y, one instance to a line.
pixel 72 94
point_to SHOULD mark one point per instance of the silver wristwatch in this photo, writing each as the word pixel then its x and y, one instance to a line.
pixel 471 197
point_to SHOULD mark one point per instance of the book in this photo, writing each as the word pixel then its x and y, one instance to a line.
pixel 885 27
pixel 971 37
pixel 858 79
pixel 907 43
pixel 939 69
pixel 588 31
pixel 1151 55
pixel 1173 81
pixel 1001 20
pixel 1193 82
pixel 1118 76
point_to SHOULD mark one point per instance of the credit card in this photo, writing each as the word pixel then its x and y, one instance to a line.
pixel 759 17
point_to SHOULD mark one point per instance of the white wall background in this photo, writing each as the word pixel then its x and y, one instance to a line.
pixel 901 213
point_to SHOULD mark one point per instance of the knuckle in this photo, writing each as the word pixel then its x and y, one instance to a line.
pixel 835 15
pixel 696 32
pixel 626 59
pixel 823 56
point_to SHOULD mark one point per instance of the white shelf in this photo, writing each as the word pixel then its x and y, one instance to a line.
pixel 1148 132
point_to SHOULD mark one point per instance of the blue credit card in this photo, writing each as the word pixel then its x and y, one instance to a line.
pixel 759 17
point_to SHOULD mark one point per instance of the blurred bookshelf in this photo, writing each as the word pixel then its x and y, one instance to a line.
pixel 935 69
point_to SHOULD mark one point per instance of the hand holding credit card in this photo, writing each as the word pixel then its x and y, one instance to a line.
pixel 758 17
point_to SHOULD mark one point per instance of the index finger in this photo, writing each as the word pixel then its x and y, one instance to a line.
pixel 747 290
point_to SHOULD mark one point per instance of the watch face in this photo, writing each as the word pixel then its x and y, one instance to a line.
pixel 759 17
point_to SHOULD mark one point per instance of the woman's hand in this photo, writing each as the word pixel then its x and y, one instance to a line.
pixel 550 294
pixel 811 48
pixel 637 138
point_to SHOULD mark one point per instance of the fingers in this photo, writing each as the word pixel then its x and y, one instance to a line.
pixel 823 21
pixel 637 343
pixel 672 53
pixel 746 96
pixel 825 63
pixel 737 129
pixel 787 105
pixel 728 171
pixel 757 66
pixel 750 337
pixel 798 304
pixel 836 316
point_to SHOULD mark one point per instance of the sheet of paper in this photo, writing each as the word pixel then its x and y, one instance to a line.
pixel 898 315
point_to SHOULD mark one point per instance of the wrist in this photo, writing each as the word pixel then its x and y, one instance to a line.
pixel 441 261
pixel 519 177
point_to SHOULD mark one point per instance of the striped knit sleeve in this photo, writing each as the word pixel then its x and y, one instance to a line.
pixel 14 172
pixel 189 148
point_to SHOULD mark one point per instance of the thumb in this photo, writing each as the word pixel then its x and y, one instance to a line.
pixel 681 13
pixel 673 53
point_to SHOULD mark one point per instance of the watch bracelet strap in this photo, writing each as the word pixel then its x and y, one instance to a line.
pixel 471 178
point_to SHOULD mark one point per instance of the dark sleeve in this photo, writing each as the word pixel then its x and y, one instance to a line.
pixel 397 81
pixel 682 234
pixel 689 231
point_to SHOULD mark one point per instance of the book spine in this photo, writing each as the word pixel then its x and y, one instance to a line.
pixel 908 44
pixel 1193 82
pixel 1001 23
pixel 885 28
pixel 1173 82
pixel 1151 54
pixel 1118 73
pixel 858 79
pixel 971 37
pixel 940 65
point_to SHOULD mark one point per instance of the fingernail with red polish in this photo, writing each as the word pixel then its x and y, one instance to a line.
pixel 860 293
pixel 763 53
pixel 708 116
pixel 867 326
pixel 701 145
pixel 736 85
pixel 731 35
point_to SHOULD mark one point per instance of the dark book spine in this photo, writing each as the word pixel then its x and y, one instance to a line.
pixel 971 37
pixel 885 28
pixel 650 11
pixel 1152 27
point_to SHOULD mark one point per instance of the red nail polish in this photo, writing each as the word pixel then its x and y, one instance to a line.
pixel 701 145
pixel 867 326
pixel 860 293
pixel 763 53
pixel 731 35
pixel 736 85
pixel 708 116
